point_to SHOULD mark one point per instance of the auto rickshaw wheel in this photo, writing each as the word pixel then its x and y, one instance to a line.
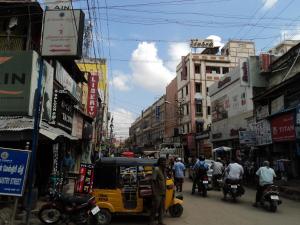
pixel 103 217
pixel 176 210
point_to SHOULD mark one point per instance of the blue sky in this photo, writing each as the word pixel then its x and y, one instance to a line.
pixel 144 39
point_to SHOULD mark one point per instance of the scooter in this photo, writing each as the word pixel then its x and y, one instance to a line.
pixel 203 185
pixel 270 199
pixel 234 189
pixel 66 209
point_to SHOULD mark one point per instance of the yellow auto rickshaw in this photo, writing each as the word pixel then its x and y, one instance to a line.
pixel 122 186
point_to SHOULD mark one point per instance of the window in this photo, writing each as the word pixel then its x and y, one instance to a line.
pixel 182 93
pixel 186 90
pixel 197 68
pixel 199 108
pixel 187 109
pixel 207 91
pixel 198 87
pixel 225 70
pixel 188 128
pixel 184 73
pixel 208 110
pixel 199 127
pixel 213 69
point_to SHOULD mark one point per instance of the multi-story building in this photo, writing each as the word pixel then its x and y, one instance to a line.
pixel 195 74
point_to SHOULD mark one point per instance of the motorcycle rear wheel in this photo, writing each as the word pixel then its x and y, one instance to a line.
pixel 273 206
pixel 49 215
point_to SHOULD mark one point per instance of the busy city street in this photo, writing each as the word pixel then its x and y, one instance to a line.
pixel 213 211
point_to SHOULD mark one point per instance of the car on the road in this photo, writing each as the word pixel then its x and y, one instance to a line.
pixel 209 172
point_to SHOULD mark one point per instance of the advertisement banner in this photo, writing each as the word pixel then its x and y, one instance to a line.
pixel 13 171
pixel 85 183
pixel 92 94
pixel 263 133
pixel 63 33
pixel 220 108
pixel 283 128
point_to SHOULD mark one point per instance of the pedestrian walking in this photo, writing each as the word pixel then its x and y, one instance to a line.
pixel 159 191
pixel 179 169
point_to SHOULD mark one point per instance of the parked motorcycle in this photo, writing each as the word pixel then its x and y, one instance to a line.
pixel 203 185
pixel 66 209
pixel 233 188
pixel 270 198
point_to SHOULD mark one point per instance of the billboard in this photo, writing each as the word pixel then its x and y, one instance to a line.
pixel 283 128
pixel 202 43
pixel 13 171
pixel 263 132
pixel 18 84
pixel 63 33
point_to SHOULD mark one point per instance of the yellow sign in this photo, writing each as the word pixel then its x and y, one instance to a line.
pixel 96 67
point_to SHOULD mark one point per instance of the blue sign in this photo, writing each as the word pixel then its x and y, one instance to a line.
pixel 13 171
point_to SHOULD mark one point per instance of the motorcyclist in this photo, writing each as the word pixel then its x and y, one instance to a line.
pixel 217 171
pixel 233 175
pixel 200 169
pixel 266 176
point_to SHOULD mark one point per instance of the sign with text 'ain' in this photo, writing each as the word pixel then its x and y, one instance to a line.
pixel 13 171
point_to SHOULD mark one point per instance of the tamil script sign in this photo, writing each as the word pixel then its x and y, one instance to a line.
pixel 13 171
pixel 202 43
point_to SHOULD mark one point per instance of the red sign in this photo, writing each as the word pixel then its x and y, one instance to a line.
pixel 92 95
pixel 283 128
pixel 85 182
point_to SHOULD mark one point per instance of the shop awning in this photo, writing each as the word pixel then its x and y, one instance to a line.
pixel 17 124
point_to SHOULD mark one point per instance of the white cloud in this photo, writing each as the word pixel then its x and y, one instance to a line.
pixel 269 3
pixel 122 121
pixel 120 81
pixel 148 70
pixel 175 51
pixel 217 40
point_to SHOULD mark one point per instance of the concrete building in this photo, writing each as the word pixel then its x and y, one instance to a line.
pixel 232 107
pixel 195 74
pixel 283 47
pixel 277 115
pixel 147 131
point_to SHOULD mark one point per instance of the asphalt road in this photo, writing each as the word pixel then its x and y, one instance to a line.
pixel 213 211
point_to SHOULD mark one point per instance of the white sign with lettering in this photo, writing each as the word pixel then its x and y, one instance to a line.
pixel 58 4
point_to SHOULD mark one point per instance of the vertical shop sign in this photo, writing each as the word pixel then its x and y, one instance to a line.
pixel 85 183
pixel 92 94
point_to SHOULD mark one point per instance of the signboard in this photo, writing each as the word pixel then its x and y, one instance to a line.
pixel 62 33
pixel 244 72
pixel 13 171
pixel 262 112
pixel 18 84
pixel 92 95
pixel 58 4
pixel 264 62
pixel 202 43
pixel 263 133
pixel 277 104
pixel 247 137
pixel 85 183
pixel 77 125
pixel 283 128
pixel 220 108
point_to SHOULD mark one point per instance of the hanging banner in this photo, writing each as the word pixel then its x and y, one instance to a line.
pixel 13 171
pixel 92 94
pixel 85 183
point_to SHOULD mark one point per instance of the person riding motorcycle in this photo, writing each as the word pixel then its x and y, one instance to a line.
pixel 217 172
pixel 266 176
pixel 200 169
pixel 233 175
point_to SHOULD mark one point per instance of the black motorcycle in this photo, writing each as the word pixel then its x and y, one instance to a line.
pixel 66 209
pixel 270 198
pixel 203 185
pixel 233 188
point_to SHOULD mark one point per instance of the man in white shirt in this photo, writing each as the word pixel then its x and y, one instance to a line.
pixel 266 176
pixel 234 172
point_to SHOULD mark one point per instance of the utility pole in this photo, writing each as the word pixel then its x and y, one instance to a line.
pixel 111 134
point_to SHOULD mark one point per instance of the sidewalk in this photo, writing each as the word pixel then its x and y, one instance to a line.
pixel 290 189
